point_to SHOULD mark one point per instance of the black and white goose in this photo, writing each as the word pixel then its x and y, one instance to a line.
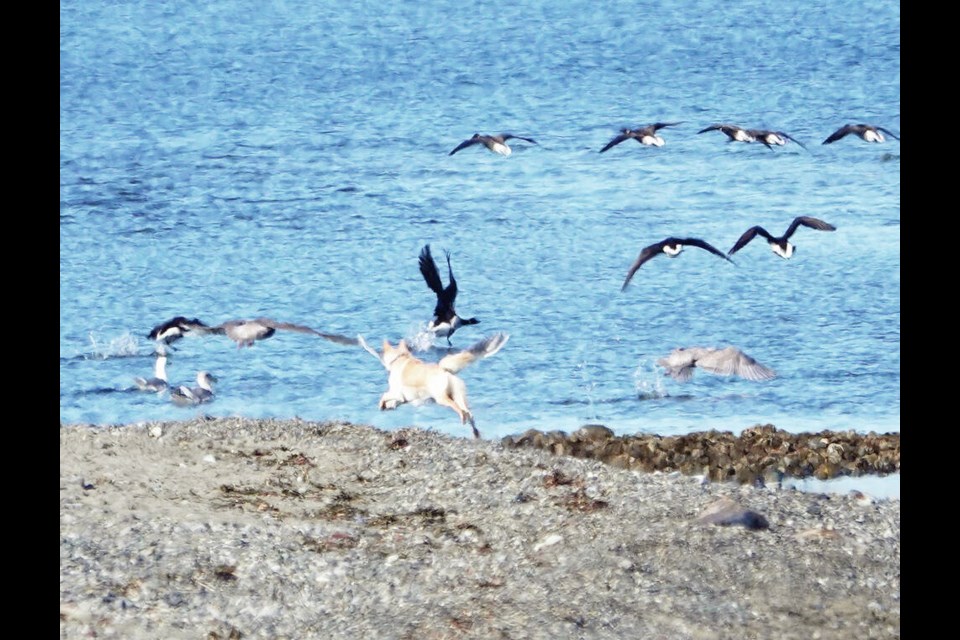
pixel 732 131
pixel 770 138
pixel 781 245
pixel 185 396
pixel 766 137
pixel 728 361
pixel 866 132
pixel 158 382
pixel 644 135
pixel 175 328
pixel 496 144
pixel 445 320
pixel 671 247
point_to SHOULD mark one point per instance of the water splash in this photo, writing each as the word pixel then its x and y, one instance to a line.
pixel 419 339
pixel 648 381
pixel 588 384
pixel 122 346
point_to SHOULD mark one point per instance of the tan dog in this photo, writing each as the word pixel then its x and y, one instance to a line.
pixel 413 380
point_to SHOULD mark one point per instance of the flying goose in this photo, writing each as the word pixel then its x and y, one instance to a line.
pixel 781 245
pixel 866 132
pixel 497 143
pixel 172 330
pixel 771 138
pixel 246 332
pixel 671 247
pixel 445 320
pixel 728 361
pixel 644 135
pixel 732 131
pixel 766 137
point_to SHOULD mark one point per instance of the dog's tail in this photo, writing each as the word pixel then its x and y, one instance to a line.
pixel 483 349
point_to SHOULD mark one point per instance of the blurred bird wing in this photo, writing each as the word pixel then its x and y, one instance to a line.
pixel 509 136
pixel 466 143
pixel 889 133
pixel 428 268
pixel 482 349
pixel 300 328
pixel 789 137
pixel 645 254
pixel 747 236
pixel 731 361
pixel 839 133
pixel 697 242
pixel 371 350
pixel 807 221
pixel 617 140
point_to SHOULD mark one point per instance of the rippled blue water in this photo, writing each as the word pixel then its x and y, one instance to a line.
pixel 234 159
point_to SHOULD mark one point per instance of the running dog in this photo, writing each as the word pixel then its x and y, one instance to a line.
pixel 413 380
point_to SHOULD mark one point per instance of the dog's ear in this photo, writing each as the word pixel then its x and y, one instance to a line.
pixel 386 345
pixel 402 347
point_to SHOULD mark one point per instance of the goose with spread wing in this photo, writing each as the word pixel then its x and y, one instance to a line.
pixel 670 247
pixel 781 245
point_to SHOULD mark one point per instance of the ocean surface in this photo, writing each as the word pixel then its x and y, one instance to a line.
pixel 239 159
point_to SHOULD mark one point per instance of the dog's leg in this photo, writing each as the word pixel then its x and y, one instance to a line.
pixel 388 402
pixel 456 398
pixel 473 425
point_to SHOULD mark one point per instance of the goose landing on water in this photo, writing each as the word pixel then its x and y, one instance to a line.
pixel 728 361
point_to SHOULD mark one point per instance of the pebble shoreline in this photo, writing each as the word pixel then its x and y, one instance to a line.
pixel 241 528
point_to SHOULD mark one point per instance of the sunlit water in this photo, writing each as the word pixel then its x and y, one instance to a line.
pixel 240 159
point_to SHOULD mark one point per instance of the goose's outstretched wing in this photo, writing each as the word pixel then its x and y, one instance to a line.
pixel 482 349
pixel 731 361
pixel 747 236
pixel 807 221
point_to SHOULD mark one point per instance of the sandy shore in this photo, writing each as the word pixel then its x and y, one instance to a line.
pixel 234 528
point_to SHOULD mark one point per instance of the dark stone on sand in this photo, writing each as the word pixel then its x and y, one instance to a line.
pixel 727 513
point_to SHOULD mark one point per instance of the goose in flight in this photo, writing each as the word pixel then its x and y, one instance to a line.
pixel 771 138
pixel 671 247
pixel 445 320
pixel 866 132
pixel 496 144
pixel 644 135
pixel 732 131
pixel 246 332
pixel 781 245
pixel 766 137
pixel 728 361
pixel 172 330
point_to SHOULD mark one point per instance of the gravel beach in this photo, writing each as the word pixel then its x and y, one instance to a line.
pixel 237 528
